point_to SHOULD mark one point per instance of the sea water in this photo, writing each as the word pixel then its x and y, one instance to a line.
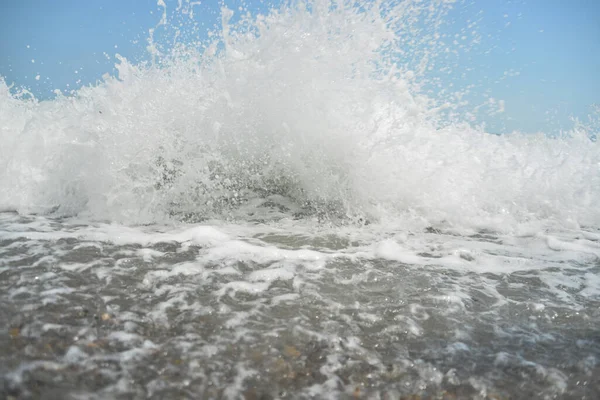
pixel 291 209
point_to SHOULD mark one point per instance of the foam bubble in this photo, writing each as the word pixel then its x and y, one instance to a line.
pixel 315 110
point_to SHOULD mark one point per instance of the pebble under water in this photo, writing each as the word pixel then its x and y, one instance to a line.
pixel 259 312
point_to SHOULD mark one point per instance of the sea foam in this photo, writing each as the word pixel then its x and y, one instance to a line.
pixel 316 109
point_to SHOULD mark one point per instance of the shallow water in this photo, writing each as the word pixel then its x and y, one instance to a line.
pixel 295 310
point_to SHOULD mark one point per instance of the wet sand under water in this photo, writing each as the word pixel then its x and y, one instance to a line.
pixel 103 311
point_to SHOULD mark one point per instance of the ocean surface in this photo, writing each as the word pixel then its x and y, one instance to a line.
pixel 290 210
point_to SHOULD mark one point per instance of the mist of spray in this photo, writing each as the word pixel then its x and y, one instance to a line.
pixel 320 104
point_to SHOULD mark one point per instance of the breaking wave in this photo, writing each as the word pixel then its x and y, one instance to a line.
pixel 317 109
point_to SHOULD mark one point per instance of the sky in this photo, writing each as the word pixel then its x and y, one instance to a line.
pixel 541 57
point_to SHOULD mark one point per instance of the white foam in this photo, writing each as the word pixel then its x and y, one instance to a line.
pixel 303 110
pixel 232 288
pixel 297 102
pixel 125 337
pixel 74 355
pixel 272 274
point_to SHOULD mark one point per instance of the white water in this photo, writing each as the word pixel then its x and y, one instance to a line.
pixel 298 187
pixel 306 104
pixel 291 310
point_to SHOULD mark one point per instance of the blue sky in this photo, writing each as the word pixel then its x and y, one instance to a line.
pixel 542 57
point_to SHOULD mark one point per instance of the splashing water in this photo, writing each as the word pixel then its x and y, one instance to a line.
pixel 315 102
pixel 364 240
